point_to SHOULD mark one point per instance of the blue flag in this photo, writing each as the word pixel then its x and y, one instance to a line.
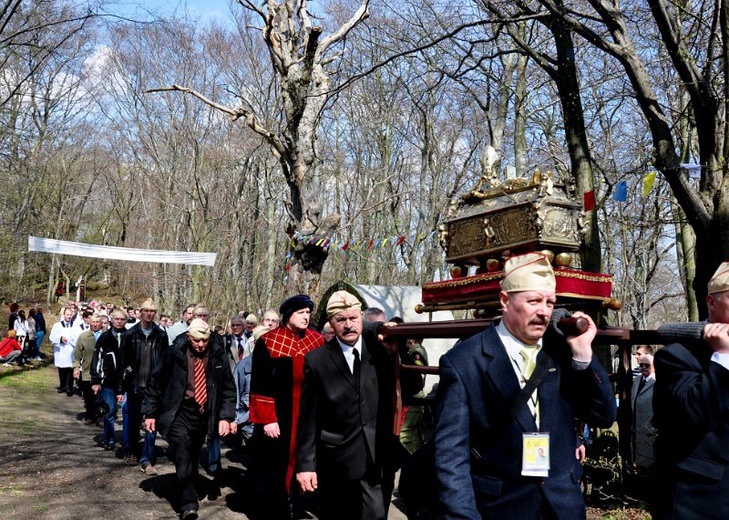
pixel 621 191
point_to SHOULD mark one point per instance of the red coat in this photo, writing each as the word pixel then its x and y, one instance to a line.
pixel 276 377
pixel 7 346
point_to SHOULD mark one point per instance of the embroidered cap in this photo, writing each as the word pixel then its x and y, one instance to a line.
pixel 530 272
pixel 148 305
pixel 199 329
pixel 342 301
pixel 720 281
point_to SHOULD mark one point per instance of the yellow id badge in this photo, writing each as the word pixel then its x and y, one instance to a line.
pixel 535 455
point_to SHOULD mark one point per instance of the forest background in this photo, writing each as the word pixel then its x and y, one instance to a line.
pixel 308 143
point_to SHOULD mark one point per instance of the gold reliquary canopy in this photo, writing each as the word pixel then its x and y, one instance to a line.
pixel 516 215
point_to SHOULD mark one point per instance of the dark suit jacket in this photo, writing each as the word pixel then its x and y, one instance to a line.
pixel 344 430
pixel 643 435
pixel 165 391
pixel 477 386
pixel 691 412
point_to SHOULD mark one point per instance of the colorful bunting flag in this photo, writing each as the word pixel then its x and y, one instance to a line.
pixel 621 192
pixel 648 181
pixel 589 200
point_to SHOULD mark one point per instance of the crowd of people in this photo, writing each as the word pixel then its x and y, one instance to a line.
pixel 315 409
pixel 22 342
pixel 245 383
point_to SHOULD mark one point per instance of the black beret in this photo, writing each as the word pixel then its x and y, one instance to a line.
pixel 293 304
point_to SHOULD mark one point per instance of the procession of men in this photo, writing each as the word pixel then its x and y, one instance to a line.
pixel 316 417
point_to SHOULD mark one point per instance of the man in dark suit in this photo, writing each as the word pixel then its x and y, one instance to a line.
pixel 690 402
pixel 643 434
pixel 345 421
pixel 496 458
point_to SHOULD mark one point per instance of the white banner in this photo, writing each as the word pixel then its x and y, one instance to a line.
pixel 63 247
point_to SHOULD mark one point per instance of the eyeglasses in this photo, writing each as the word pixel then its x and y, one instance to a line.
pixel 644 365
pixel 236 324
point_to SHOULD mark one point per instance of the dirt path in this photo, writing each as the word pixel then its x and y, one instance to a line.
pixel 50 467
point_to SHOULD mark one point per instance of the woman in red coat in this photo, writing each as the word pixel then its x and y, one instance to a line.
pixel 9 349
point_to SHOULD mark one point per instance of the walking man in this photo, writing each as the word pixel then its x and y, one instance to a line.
pixel 191 394
pixel 345 437
pixel 105 373
pixel 82 357
pixel 141 349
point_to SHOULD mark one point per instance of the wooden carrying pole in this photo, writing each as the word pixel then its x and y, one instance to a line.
pixel 623 337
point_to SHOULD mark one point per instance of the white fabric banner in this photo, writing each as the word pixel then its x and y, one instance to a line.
pixel 63 247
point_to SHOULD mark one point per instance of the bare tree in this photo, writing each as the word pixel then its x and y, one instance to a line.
pixel 693 42
pixel 42 136
pixel 300 55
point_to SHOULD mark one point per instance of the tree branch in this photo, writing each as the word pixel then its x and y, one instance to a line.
pixel 236 113
pixel 360 15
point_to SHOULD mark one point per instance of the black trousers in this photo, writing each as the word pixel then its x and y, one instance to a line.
pixel 89 398
pixel 186 437
pixel 65 377
pixel 270 463
pixel 353 499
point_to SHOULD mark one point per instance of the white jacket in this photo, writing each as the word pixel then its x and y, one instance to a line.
pixel 63 350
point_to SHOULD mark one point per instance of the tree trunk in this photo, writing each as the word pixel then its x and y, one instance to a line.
pixel 565 77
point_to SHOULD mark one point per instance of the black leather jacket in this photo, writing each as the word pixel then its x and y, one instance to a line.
pixel 131 367
pixel 105 360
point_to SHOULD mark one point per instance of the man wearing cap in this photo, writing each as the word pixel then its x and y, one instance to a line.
pixel 690 399
pixel 202 311
pixel 345 423
pixel 271 320
pixel 251 321
pixel 190 394
pixel 276 377
pixel 489 433
pixel 141 348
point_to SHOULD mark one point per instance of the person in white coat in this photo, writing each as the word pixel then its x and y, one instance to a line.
pixel 63 338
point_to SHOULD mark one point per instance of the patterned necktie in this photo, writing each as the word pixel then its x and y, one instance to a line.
pixel 201 391
pixel 240 349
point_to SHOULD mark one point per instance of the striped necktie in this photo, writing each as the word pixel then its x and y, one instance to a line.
pixel 201 391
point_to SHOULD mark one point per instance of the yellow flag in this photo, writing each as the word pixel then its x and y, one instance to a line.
pixel 648 181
